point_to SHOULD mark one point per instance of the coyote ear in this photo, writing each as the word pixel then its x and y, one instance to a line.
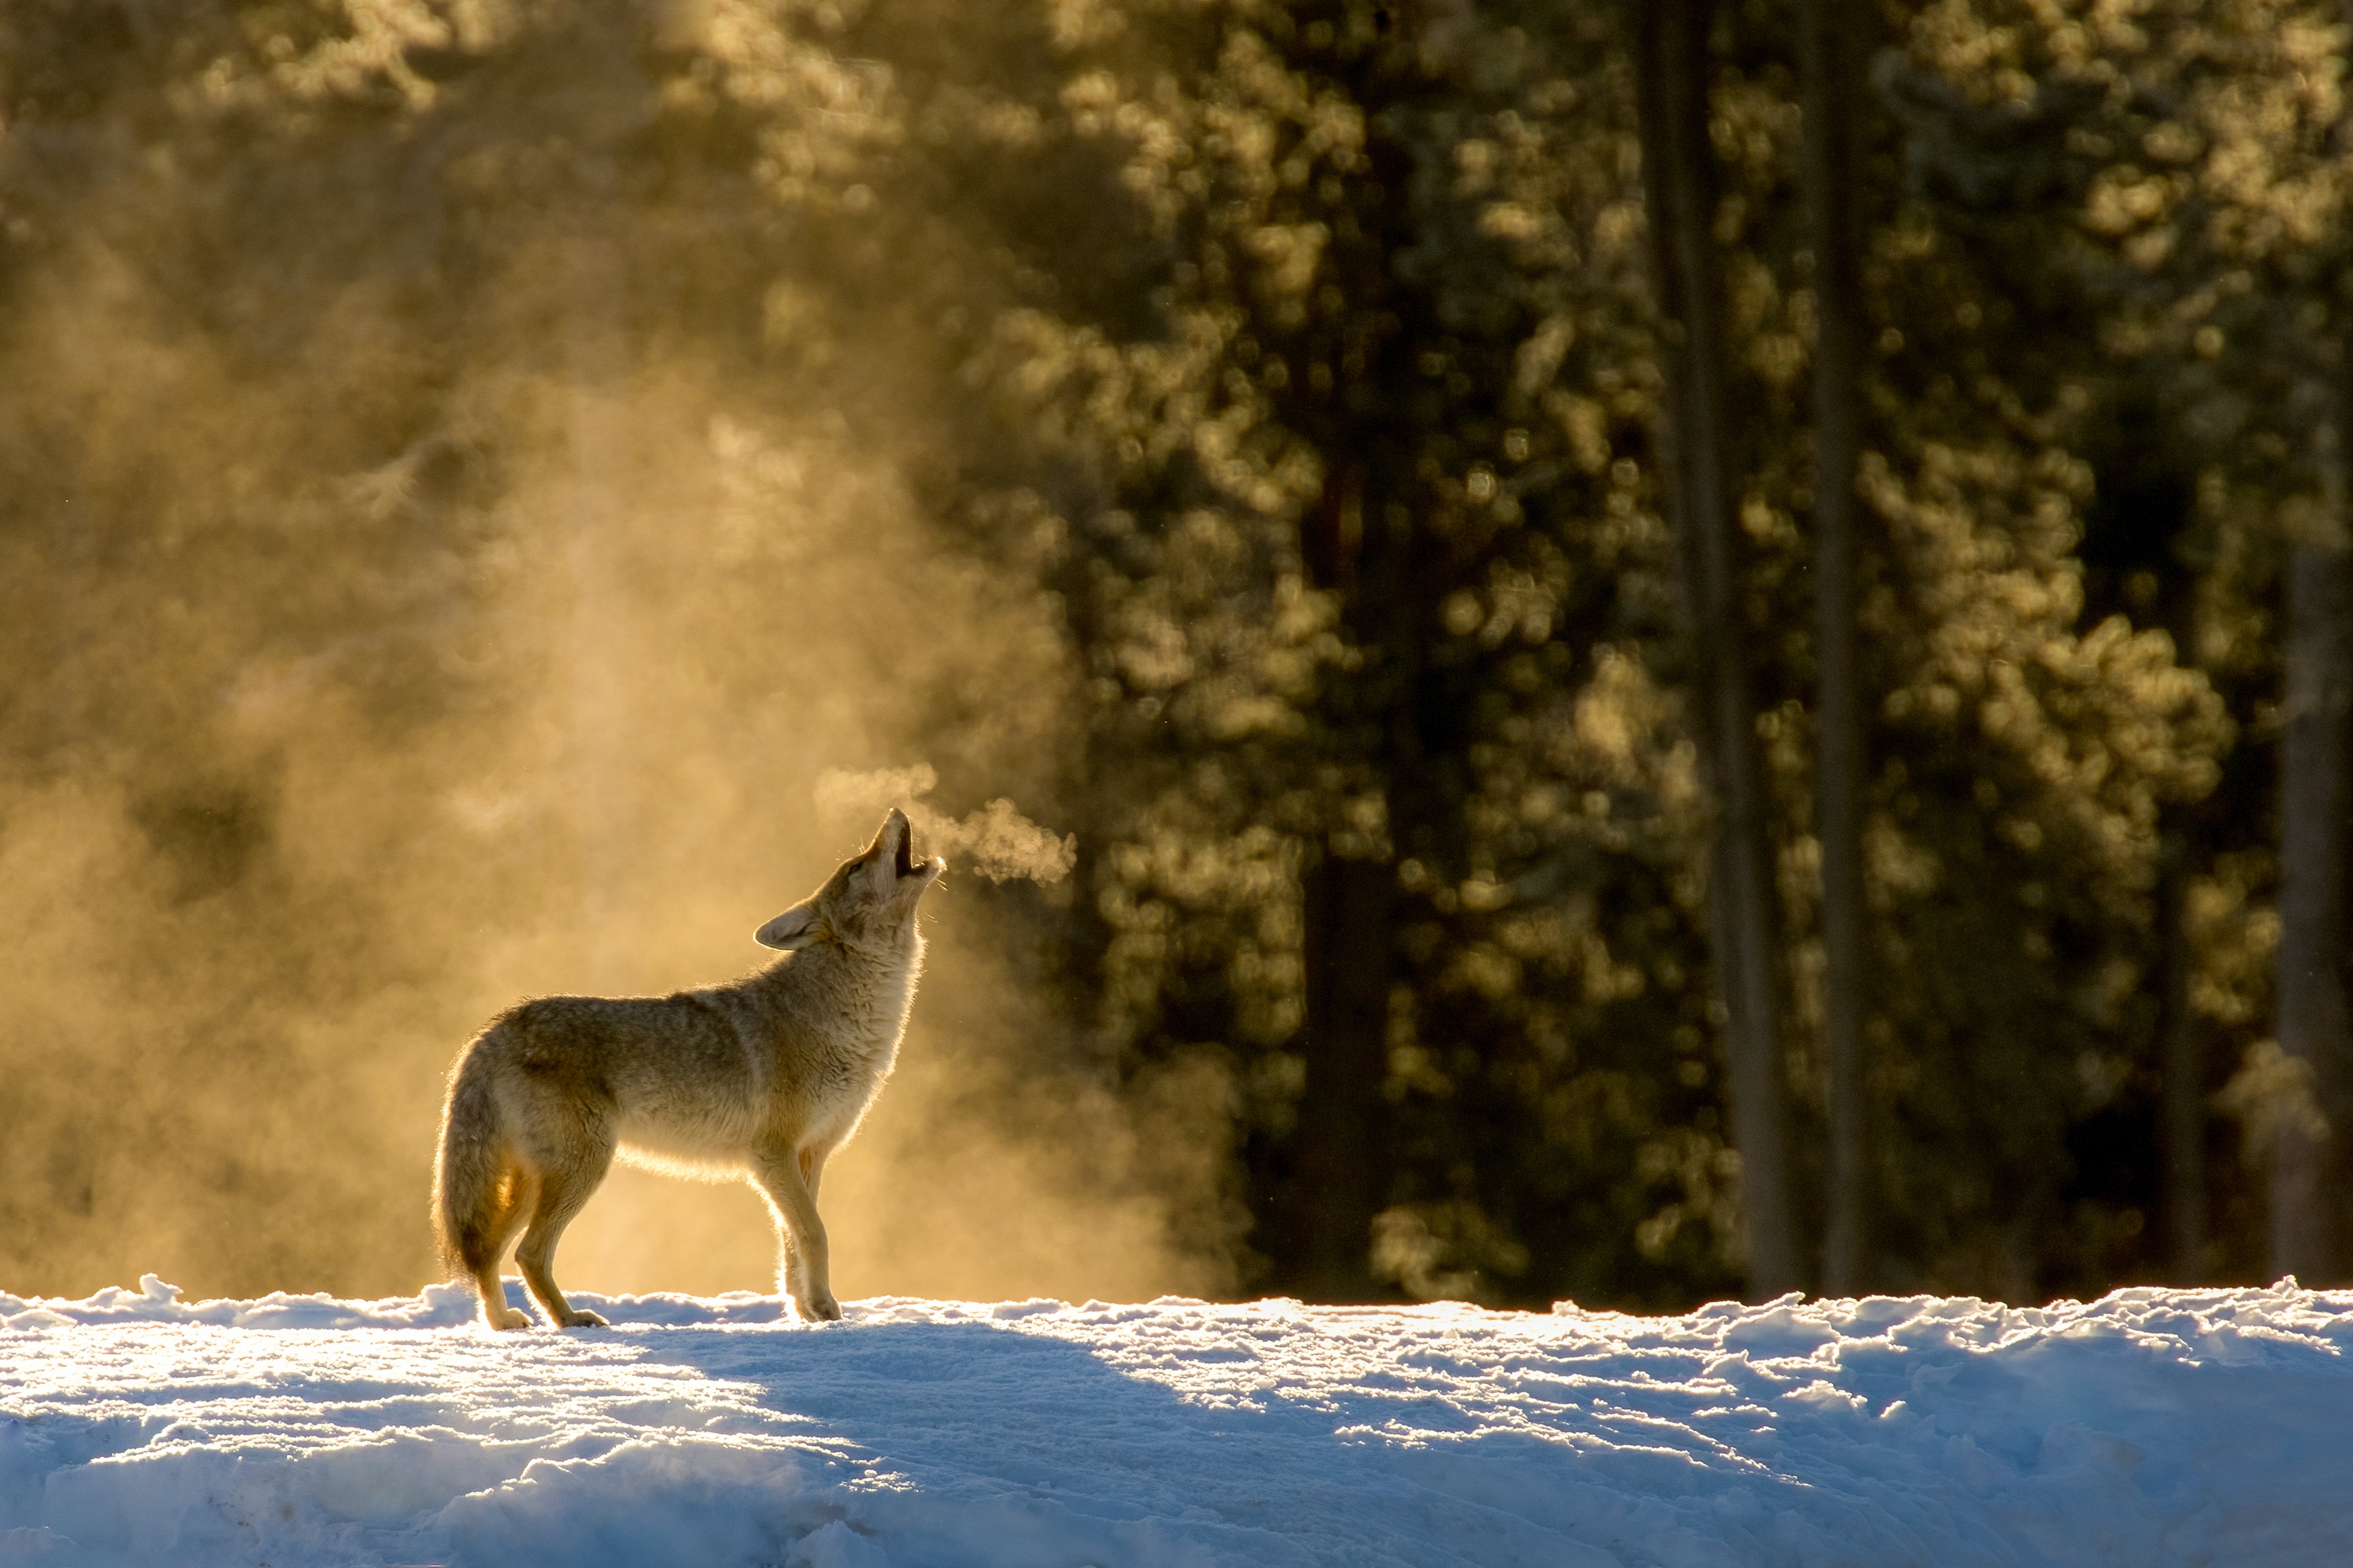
pixel 797 928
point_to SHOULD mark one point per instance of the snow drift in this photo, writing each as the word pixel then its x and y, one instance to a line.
pixel 2152 1427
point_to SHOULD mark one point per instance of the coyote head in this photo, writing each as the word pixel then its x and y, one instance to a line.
pixel 871 898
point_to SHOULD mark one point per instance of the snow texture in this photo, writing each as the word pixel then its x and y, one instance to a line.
pixel 2149 1427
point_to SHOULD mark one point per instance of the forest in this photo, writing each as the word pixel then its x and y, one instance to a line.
pixel 1684 647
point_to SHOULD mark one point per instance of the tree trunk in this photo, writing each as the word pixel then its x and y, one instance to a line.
pixel 2181 1048
pixel 1343 1179
pixel 2132 551
pixel 1830 86
pixel 1361 544
pixel 2182 1065
pixel 1679 184
pixel 1347 904
pixel 2313 800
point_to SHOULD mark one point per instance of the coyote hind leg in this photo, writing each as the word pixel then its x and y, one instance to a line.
pixel 561 1194
pixel 511 1198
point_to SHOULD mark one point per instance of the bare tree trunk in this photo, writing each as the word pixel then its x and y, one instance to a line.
pixel 1361 544
pixel 1347 914
pixel 2182 1063
pixel 1831 84
pixel 2314 795
pixel 1343 1173
pixel 2133 537
pixel 2313 801
pixel 1678 178
pixel 2180 1048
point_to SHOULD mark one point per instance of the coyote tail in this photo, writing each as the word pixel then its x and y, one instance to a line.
pixel 470 1173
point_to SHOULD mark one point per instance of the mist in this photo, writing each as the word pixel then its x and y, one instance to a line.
pixel 426 584
pixel 498 496
pixel 996 841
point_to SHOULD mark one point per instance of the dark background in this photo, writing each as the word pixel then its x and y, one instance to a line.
pixel 1652 708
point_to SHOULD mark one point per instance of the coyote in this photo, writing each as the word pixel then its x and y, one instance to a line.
pixel 760 1079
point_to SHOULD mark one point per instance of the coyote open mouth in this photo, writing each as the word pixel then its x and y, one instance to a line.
pixel 906 866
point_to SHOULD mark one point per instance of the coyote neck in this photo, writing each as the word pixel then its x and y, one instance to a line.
pixel 853 997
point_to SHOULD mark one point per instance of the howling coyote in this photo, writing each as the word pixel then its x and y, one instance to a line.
pixel 759 1079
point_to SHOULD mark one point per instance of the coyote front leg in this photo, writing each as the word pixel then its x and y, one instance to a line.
pixel 794 1276
pixel 807 1271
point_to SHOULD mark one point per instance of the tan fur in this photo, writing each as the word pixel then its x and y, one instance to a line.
pixel 762 1080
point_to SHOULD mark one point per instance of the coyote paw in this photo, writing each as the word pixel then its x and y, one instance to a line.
pixel 576 1318
pixel 506 1318
pixel 819 1308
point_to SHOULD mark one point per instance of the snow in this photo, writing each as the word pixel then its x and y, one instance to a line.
pixel 2151 1426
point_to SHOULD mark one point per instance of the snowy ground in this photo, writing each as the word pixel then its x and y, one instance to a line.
pixel 2150 1428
